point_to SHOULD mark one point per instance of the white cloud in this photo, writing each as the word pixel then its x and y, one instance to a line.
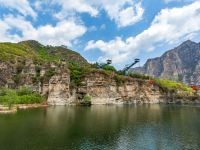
pixel 130 15
pixel 169 26
pixel 71 6
pixel 64 32
pixel 123 12
pixel 122 15
pixel 22 6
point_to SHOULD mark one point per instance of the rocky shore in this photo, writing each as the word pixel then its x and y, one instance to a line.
pixel 13 109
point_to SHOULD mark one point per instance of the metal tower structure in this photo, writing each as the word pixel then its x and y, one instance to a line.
pixel 128 67
pixel 108 62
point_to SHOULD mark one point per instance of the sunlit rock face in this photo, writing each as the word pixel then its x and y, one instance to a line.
pixel 180 64
pixel 58 89
pixel 105 90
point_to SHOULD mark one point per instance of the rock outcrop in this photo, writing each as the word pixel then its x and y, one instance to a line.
pixel 180 64
pixel 54 83
pixel 105 90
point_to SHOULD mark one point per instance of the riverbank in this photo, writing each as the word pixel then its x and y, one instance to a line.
pixel 13 109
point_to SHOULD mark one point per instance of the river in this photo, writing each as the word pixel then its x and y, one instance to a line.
pixel 142 127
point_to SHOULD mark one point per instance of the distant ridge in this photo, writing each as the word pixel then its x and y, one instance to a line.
pixel 180 64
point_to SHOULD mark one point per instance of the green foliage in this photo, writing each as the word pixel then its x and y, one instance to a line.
pixel 16 78
pixel 168 85
pixel 38 53
pixel 24 91
pixel 45 56
pixel 87 98
pixel 11 50
pixel 36 78
pixel 8 97
pixel 19 96
pixel 103 66
pixel 38 69
pixel 20 67
pixel 121 72
pixel 86 101
pixel 119 79
pixel 76 73
pixel 48 74
pixel 109 68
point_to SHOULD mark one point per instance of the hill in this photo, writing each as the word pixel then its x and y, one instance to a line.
pixel 34 50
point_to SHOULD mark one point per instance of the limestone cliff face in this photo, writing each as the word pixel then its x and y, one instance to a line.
pixel 53 82
pixel 54 87
pixel 105 90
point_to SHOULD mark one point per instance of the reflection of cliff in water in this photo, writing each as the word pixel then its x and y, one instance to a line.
pixel 102 127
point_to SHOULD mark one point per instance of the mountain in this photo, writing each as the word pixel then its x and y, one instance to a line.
pixel 34 50
pixel 179 64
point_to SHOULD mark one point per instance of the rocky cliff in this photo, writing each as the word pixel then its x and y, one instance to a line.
pixel 103 88
pixel 180 64
pixel 61 84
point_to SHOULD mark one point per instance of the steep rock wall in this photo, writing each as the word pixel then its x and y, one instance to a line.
pixel 103 89
pixel 53 82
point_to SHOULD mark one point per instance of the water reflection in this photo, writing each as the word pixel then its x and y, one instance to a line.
pixel 102 127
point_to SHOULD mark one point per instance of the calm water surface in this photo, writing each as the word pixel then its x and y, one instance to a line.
pixel 145 127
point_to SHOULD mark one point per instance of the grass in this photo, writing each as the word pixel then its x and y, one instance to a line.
pixel 38 52
pixel 172 85
pixel 19 96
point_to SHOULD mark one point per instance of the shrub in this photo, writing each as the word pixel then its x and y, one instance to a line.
pixel 24 91
pixel 77 72
pixel 38 69
pixel 119 79
pixel 139 76
pixel 20 96
pixel 75 76
pixel 16 78
pixel 35 80
pixel 110 68
pixel 20 67
pixel 86 101
pixel 51 72
pixel 87 98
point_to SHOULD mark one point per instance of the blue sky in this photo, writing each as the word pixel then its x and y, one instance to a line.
pixel 121 30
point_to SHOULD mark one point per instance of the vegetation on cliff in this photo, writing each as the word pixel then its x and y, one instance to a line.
pixel 39 53
pixel 168 85
pixel 19 96
pixel 78 72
